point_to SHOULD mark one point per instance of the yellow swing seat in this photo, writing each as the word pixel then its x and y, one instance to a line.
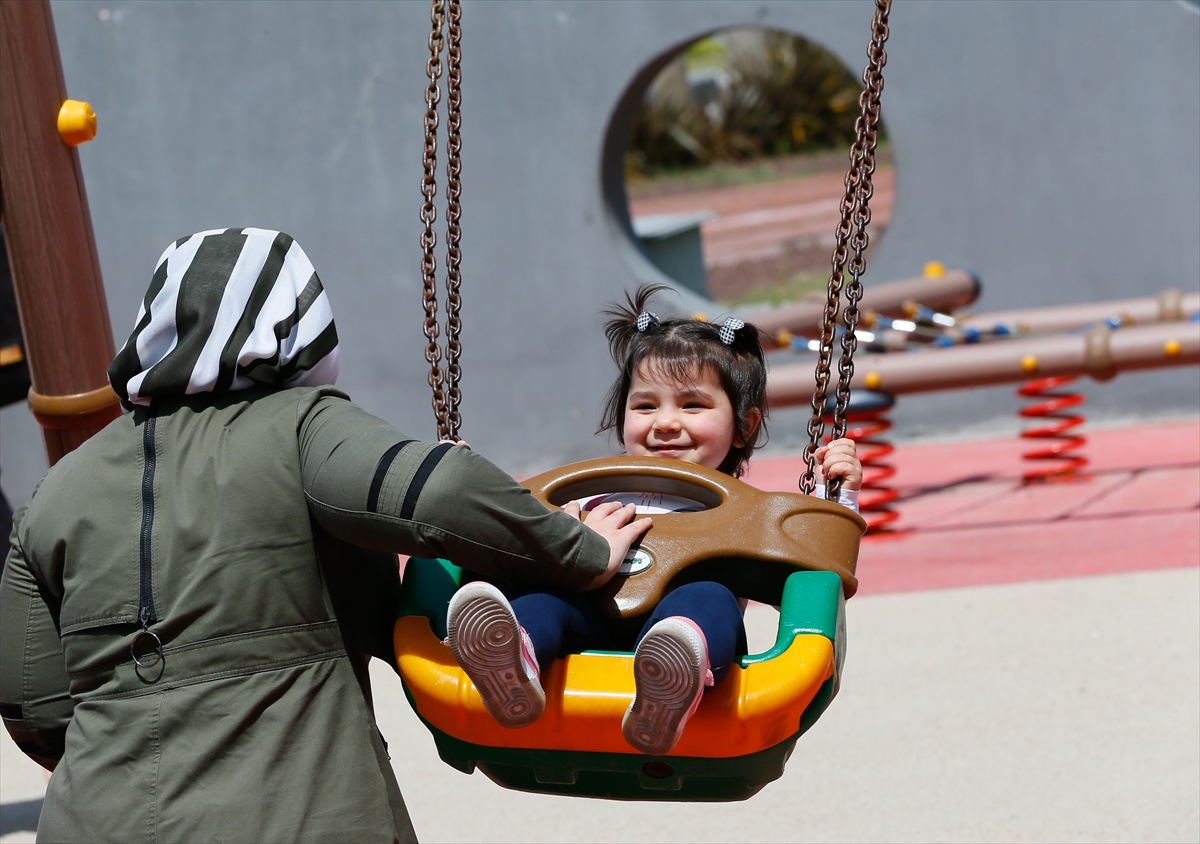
pixel 743 731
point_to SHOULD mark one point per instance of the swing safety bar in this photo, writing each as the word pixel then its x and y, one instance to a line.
pixel 748 539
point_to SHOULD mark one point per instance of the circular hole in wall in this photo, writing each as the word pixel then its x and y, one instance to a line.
pixel 725 163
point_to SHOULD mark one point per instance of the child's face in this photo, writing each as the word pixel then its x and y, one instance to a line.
pixel 690 421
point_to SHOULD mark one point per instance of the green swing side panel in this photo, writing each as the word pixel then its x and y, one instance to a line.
pixel 426 590
pixel 812 603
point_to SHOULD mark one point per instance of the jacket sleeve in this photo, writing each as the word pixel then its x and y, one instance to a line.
pixel 35 699
pixel 370 485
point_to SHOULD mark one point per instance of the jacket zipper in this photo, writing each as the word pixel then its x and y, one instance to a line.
pixel 146 615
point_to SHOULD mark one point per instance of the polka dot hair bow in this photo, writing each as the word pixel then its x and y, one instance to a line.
pixel 645 320
pixel 729 329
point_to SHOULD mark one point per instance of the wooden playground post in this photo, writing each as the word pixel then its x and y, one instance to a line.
pixel 44 211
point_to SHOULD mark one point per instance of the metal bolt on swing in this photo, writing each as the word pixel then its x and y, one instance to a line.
pixel 1059 452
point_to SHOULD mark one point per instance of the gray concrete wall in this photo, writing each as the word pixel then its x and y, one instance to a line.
pixel 1051 147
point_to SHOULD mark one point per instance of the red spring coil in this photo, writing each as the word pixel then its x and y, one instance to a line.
pixel 874 501
pixel 1066 465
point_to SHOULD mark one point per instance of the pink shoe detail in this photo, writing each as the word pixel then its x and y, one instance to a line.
pixel 529 661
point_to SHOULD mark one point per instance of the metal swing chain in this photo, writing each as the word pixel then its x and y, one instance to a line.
pixel 443 380
pixel 453 216
pixel 856 214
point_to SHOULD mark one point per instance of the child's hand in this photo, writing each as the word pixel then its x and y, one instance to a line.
pixel 463 443
pixel 614 523
pixel 839 459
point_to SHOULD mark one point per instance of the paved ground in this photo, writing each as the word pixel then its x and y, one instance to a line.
pixel 758 221
pixel 766 233
pixel 966 519
pixel 1024 665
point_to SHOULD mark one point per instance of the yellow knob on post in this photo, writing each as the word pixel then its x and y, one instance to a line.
pixel 1172 348
pixel 872 381
pixel 783 338
pixel 1029 363
pixel 76 123
pixel 935 269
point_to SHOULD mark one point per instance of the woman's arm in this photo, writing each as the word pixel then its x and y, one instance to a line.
pixel 369 484
pixel 35 699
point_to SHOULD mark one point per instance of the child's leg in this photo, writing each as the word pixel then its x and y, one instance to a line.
pixel 715 610
pixel 495 653
pixel 560 623
pixel 693 628
pixel 504 646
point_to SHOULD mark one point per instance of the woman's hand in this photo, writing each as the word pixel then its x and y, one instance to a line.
pixel 839 459
pixel 619 529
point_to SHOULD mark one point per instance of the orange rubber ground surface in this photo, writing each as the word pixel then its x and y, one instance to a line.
pixel 966 518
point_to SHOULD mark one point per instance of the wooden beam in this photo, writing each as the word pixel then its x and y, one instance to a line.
pixel 44 211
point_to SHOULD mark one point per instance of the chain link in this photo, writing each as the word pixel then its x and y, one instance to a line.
pixel 851 235
pixel 446 33
pixel 453 420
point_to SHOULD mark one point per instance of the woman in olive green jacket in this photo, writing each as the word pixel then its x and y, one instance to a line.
pixel 189 597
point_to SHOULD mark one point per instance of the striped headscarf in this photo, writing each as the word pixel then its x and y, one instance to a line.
pixel 228 309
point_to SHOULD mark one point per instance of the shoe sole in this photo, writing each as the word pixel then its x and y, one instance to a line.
pixel 487 644
pixel 668 676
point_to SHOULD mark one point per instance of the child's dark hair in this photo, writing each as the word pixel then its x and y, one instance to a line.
pixel 679 348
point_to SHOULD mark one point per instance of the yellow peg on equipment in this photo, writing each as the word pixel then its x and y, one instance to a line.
pixel 935 269
pixel 76 123
pixel 1172 348
pixel 872 381
pixel 783 338
pixel 11 354
pixel 701 317
pixel 1029 363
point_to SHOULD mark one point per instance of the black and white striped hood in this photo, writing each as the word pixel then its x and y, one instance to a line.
pixel 228 309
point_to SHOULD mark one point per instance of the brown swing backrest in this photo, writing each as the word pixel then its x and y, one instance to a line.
pixel 748 539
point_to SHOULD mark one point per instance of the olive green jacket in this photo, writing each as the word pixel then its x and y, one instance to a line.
pixel 225 523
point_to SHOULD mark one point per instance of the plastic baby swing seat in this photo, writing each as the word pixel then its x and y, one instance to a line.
pixel 792 550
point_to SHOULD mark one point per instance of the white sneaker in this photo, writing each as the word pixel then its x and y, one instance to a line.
pixel 670 671
pixel 496 653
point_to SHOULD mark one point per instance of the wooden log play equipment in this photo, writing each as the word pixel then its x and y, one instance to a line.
pixel 939 289
pixel 1099 352
pixel 48 230
pixel 924 325
pixel 1169 306
pixel 920 323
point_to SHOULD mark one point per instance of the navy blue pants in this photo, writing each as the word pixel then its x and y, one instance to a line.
pixel 560 623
